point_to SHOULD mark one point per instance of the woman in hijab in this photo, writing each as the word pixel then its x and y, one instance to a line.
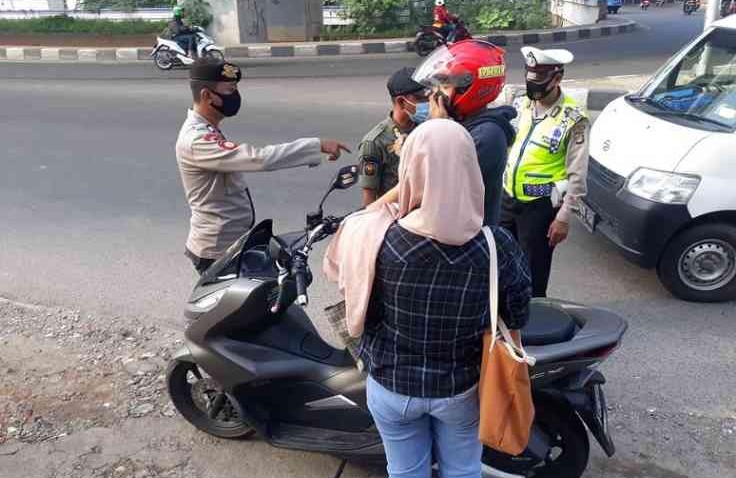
pixel 416 286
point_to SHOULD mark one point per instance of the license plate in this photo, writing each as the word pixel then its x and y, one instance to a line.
pixel 587 216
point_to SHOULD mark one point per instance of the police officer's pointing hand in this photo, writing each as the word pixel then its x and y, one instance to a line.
pixel 333 149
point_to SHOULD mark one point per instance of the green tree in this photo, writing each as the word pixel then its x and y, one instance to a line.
pixel 197 12
pixel 125 5
pixel 373 15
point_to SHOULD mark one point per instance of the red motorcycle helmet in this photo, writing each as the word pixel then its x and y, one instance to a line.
pixel 475 68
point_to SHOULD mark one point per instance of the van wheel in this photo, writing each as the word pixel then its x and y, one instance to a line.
pixel 699 264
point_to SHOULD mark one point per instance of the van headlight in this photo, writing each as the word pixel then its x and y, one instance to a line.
pixel 663 187
pixel 210 300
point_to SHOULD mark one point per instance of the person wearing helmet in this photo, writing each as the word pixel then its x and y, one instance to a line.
pixel 444 19
pixel 181 33
pixel 465 78
pixel 548 163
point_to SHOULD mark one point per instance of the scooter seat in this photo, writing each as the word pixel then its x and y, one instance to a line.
pixel 547 325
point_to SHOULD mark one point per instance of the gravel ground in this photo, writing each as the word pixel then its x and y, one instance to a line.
pixel 62 372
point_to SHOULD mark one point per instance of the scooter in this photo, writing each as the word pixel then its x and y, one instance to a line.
pixel 253 362
pixel 430 37
pixel 168 53
pixel 645 4
pixel 690 6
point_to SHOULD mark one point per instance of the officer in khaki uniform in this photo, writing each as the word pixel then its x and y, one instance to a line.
pixel 213 168
pixel 379 149
pixel 547 168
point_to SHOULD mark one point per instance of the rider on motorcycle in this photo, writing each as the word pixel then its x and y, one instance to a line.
pixel 444 20
pixel 182 33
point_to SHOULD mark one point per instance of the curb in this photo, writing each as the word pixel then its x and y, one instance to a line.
pixel 301 50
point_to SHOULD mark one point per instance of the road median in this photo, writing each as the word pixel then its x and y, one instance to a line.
pixel 316 49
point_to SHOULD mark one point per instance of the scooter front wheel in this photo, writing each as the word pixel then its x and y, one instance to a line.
pixel 203 403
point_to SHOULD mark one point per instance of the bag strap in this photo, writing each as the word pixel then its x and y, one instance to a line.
pixel 498 326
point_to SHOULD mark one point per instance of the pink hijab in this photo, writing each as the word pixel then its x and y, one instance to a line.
pixel 440 197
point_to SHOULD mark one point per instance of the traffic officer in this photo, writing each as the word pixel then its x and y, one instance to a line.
pixel 212 167
pixel 379 149
pixel 547 166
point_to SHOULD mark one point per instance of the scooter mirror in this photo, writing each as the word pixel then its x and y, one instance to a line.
pixel 346 177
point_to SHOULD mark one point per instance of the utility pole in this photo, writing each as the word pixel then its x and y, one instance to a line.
pixel 712 13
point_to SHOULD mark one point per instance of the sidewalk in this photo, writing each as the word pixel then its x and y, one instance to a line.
pixel 593 95
pixel 611 26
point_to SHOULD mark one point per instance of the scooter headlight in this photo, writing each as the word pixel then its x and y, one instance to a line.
pixel 210 300
pixel 661 186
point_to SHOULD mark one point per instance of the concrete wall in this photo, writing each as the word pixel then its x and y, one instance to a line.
pixel 224 26
pixel 576 12
pixel 259 21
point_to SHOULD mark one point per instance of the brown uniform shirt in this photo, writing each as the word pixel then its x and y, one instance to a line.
pixel 213 174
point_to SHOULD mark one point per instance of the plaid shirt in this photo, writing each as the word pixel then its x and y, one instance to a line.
pixel 429 309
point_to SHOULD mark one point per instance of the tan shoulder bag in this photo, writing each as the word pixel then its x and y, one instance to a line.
pixel 506 407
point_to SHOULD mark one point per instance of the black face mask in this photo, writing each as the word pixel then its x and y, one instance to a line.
pixel 537 91
pixel 230 103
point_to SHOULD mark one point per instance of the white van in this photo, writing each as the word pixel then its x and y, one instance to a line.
pixel 662 177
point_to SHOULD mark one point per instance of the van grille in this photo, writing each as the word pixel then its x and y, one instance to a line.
pixel 604 176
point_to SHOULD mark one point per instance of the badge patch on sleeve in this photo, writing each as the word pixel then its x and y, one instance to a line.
pixel 228 145
pixel 370 168
pixel 579 137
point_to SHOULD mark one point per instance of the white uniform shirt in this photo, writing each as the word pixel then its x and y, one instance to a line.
pixel 213 175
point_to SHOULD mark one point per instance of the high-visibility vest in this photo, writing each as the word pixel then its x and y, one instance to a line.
pixel 537 158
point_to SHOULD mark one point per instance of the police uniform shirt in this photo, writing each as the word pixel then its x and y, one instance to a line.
pixel 576 155
pixel 213 171
pixel 379 163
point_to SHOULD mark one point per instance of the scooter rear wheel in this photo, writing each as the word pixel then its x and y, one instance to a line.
pixel 425 44
pixel 194 396
pixel 568 457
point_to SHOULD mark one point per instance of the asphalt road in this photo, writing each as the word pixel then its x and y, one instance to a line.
pixel 661 32
pixel 93 217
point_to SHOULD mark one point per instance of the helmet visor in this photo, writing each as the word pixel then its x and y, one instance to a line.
pixel 441 69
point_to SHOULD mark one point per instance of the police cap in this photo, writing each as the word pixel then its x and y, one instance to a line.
pixel 209 69
pixel 401 83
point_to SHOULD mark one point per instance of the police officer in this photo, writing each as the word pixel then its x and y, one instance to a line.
pixel 379 158
pixel 547 166
pixel 212 167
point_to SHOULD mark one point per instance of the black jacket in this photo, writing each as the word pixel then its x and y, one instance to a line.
pixel 493 135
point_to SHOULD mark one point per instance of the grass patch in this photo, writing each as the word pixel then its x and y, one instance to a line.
pixel 63 24
pixel 337 33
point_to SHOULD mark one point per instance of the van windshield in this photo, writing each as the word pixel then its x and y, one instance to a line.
pixel 701 88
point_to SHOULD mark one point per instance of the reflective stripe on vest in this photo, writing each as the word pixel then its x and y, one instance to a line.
pixel 537 158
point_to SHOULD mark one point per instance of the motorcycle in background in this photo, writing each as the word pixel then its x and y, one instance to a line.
pixel 690 6
pixel 645 4
pixel 728 7
pixel 431 37
pixel 169 53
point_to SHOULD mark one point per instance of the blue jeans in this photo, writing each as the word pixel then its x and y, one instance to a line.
pixel 414 430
